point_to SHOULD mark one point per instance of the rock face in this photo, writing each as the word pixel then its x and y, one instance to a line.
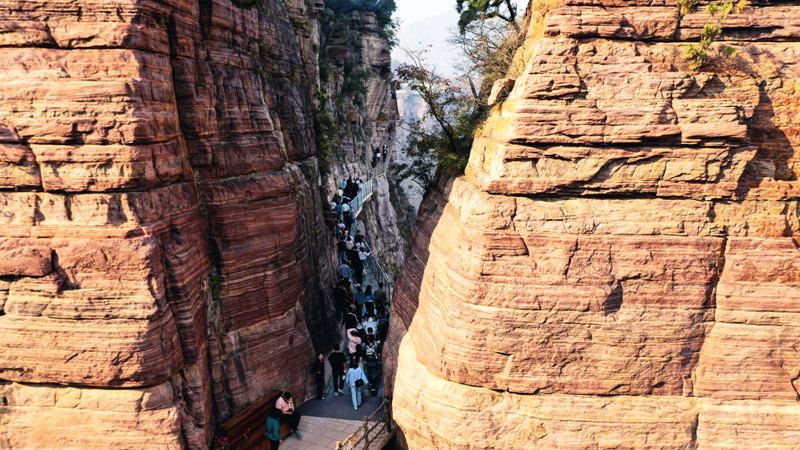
pixel 619 267
pixel 163 256
pixel 364 121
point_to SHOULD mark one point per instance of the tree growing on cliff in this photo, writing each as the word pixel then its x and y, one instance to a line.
pixel 480 10
pixel 441 142
pixel 488 48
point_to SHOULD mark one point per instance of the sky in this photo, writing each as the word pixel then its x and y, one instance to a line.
pixel 426 23
pixel 411 11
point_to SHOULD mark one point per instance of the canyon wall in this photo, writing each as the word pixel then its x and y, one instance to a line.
pixel 619 267
pixel 164 260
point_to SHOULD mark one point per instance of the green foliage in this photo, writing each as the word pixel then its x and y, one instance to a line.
pixel 326 134
pixel 215 286
pixel 685 6
pixel 324 70
pixel 355 81
pixel 700 53
pixel 443 142
pixel 480 10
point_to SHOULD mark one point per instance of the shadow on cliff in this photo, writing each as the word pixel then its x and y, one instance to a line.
pixel 405 297
pixel 774 150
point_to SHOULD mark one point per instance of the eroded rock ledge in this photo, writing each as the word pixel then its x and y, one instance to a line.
pixel 163 256
pixel 619 267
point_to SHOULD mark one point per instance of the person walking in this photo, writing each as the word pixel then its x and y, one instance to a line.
pixel 339 300
pixel 372 355
pixel 341 250
pixel 359 295
pixel 356 379
pixel 350 319
pixel 353 342
pixel 380 296
pixel 348 222
pixel 274 429
pixel 288 414
pixel 319 376
pixel 369 302
pixel 338 363
pixel 358 266
pixel 344 270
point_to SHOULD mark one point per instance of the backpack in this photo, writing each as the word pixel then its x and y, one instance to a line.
pixel 349 244
pixel 371 353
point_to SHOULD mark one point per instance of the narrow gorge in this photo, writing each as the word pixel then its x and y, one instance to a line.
pixel 619 267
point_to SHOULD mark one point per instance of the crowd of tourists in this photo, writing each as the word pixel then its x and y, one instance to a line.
pixel 363 312
pixel 347 191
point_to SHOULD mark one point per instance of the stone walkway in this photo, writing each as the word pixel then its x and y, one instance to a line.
pixel 325 422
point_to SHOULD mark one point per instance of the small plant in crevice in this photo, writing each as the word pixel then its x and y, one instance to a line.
pixel 701 53
pixel 215 286
pixel 685 6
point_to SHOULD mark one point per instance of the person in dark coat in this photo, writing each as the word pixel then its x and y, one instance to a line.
pixel 338 364
pixel 350 319
pixel 319 376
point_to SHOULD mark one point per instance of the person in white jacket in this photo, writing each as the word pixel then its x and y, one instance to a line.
pixel 356 379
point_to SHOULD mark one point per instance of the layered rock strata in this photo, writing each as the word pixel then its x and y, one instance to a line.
pixel 619 267
pixel 163 256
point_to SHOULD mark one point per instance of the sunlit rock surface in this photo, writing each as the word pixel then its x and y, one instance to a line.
pixel 619 266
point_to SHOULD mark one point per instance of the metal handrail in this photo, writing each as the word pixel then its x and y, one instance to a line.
pixel 374 425
pixel 373 263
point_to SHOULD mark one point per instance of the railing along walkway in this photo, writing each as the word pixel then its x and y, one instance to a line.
pixel 374 434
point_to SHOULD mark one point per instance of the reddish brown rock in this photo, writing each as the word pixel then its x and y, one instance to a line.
pixel 164 258
pixel 618 268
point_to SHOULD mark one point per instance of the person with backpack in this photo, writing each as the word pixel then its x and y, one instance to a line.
pixel 274 429
pixel 372 355
pixel 356 379
pixel 338 363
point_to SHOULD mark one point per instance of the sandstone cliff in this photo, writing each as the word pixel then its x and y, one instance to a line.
pixel 164 260
pixel 619 267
